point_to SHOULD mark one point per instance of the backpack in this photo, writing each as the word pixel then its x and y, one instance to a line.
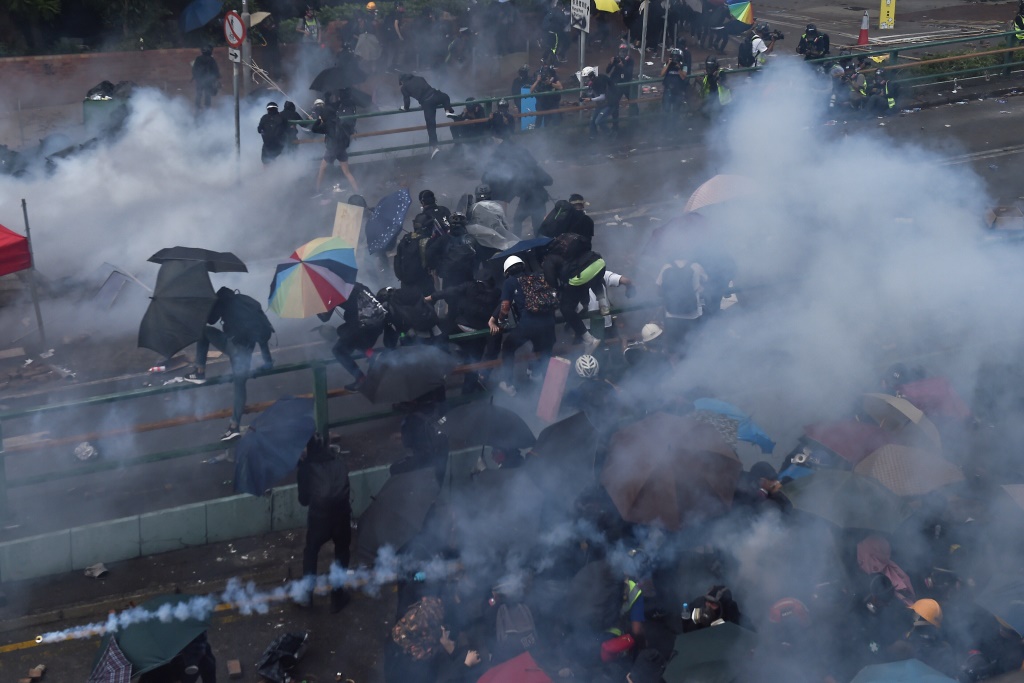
pixel 515 628
pixel 557 220
pixel 372 315
pixel 568 245
pixel 539 295
pixel 459 255
pixel 273 133
pixel 418 631
pixel 245 322
pixel 678 293
pixel 746 56
pixel 409 265
pixel 410 311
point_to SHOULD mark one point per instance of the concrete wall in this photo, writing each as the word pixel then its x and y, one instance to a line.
pixel 211 521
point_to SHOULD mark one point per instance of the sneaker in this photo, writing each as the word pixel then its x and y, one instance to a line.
pixel 195 377
pixel 590 343
pixel 507 388
pixel 433 152
pixel 451 114
pixel 230 434
pixel 339 599
pixel 357 384
pixel 604 307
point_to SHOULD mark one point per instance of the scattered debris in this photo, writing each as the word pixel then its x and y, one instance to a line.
pixel 1006 112
pixel 96 571
pixel 47 354
pixel 13 352
pixel 1001 101
pixel 86 451
pixel 234 669
pixel 831 123
pixel 36 672
pixel 963 102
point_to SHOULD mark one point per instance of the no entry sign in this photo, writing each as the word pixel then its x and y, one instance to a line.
pixel 234 29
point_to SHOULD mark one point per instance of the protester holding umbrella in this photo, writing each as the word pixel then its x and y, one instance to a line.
pixel 244 326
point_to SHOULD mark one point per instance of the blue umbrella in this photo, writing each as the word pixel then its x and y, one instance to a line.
pixel 905 671
pixel 746 429
pixel 1004 597
pixel 271 446
pixel 523 245
pixel 199 13
pixel 386 220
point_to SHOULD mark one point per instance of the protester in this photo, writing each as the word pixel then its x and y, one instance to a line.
pixel 206 76
pixel 813 45
pixel 528 302
pixel 273 127
pixel 337 128
pixel 365 319
pixel 429 99
pixel 245 326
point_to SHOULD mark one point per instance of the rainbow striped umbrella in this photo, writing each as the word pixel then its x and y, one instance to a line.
pixel 742 10
pixel 317 277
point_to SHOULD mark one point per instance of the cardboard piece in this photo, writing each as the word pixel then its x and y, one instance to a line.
pixel 554 388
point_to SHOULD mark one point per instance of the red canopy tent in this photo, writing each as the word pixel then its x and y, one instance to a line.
pixel 14 252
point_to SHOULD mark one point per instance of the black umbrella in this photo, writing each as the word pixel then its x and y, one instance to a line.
pixel 562 460
pixel 507 506
pixel 179 308
pixel 338 78
pixel 406 374
pixel 216 261
pixel 523 245
pixel 396 514
pixel 484 424
pixel 272 445
pixel 710 654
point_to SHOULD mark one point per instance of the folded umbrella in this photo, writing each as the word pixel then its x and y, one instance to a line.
pixel 272 445
pixel 406 373
pixel 709 654
pixel 199 13
pixel 908 471
pixel 846 499
pixel 396 514
pixel 216 261
pixel 318 276
pixel 179 308
pixel 904 671
pixel 386 220
pixel 484 424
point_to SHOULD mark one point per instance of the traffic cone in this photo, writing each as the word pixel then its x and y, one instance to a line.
pixel 862 39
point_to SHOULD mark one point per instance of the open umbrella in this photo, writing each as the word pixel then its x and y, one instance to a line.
pixel 746 429
pixel 851 440
pixel 721 188
pixel 317 277
pixel 561 463
pixel 256 17
pixel 386 220
pixel 199 13
pixel 152 643
pixel 216 261
pixel 338 77
pixel 406 373
pixel 178 309
pixel 899 415
pixel 111 666
pixel 483 423
pixel 522 246
pixel 521 669
pixel 904 671
pixel 1004 598
pixel 669 470
pixel 909 471
pixel 847 500
pixel 507 506
pixel 396 513
pixel 271 446
pixel 741 10
pixel 709 654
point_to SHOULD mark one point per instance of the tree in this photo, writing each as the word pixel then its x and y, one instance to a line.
pixel 34 12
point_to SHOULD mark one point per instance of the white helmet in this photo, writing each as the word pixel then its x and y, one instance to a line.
pixel 587 366
pixel 588 71
pixel 511 261
pixel 650 332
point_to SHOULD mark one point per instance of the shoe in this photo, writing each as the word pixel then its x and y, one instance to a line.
pixel 604 307
pixel 191 670
pixel 195 377
pixel 507 388
pixel 590 343
pixel 433 152
pixel 450 114
pixel 339 599
pixel 357 384
pixel 230 434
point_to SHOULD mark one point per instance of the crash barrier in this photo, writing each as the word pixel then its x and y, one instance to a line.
pixel 212 521
pixel 320 395
pixel 901 59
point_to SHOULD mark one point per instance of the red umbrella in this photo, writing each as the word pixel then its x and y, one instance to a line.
pixel 851 440
pixel 14 252
pixel 521 669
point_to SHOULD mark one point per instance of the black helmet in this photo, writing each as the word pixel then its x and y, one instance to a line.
pixel 503 104
pixel 427 197
pixel 272 105
pixel 763 29
pixel 879 73
pixel 483 192
pixel 811 28
pixel 207 50
pixel 458 222
pixel 524 71
pixel 623 49
pixel 711 63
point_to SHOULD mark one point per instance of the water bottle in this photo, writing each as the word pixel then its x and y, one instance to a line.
pixel 686 611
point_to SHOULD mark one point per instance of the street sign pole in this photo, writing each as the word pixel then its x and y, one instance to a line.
pixel 646 7
pixel 246 50
pixel 238 129
pixel 236 33
pixel 664 30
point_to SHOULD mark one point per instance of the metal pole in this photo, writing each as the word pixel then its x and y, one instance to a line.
pixel 238 130
pixel 320 412
pixel 664 30
pixel 5 510
pixel 246 49
pixel 643 38
pixel 32 276
pixel 583 63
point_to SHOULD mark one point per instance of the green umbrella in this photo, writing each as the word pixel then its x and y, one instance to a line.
pixel 846 499
pixel 152 643
pixel 709 655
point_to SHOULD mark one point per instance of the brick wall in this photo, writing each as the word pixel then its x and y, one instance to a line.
pixel 64 79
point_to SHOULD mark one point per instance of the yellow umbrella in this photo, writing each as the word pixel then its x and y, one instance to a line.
pixel 606 5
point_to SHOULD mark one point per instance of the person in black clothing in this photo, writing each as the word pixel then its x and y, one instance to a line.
pixel 268 28
pixel 206 76
pixel 503 124
pixel 337 131
pixel 548 90
pixel 537 328
pixel 523 81
pixel 291 132
pixel 364 321
pixel 323 487
pixel 476 132
pixel 437 218
pixel 813 44
pixel 452 255
pixel 674 78
pixel 198 660
pixel 245 326
pixel 598 92
pixel 273 128
pixel 470 306
pixel 619 70
pixel 430 99
pixel 578 222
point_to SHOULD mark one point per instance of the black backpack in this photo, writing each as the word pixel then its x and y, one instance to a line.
pixel 245 322
pixel 459 255
pixel 409 265
pixel 372 315
pixel 746 56
pixel 410 311
pixel 516 631
pixel 557 220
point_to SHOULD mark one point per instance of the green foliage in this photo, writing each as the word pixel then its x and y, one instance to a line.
pixel 967 59
pixel 40 10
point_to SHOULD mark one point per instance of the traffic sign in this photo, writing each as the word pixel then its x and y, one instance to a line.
pixel 234 55
pixel 234 29
pixel 581 15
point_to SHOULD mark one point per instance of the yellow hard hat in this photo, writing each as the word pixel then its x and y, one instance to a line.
pixel 371 6
pixel 928 610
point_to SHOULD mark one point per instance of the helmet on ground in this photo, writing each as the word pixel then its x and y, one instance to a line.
pixel 503 104
pixel 588 72
pixel 812 29
pixel 929 611
pixel 511 262
pixel 483 192
pixel 427 197
pixel 790 611
pixel 272 105
pixel 207 50
pixel 587 366
pixel 650 332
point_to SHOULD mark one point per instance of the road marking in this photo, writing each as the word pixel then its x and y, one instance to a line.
pixel 1009 150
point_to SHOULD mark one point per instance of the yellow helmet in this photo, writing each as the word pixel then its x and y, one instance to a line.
pixel 371 7
pixel 928 610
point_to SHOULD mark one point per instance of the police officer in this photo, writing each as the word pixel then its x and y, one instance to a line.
pixel 1018 23
pixel 813 44
pixel 674 77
